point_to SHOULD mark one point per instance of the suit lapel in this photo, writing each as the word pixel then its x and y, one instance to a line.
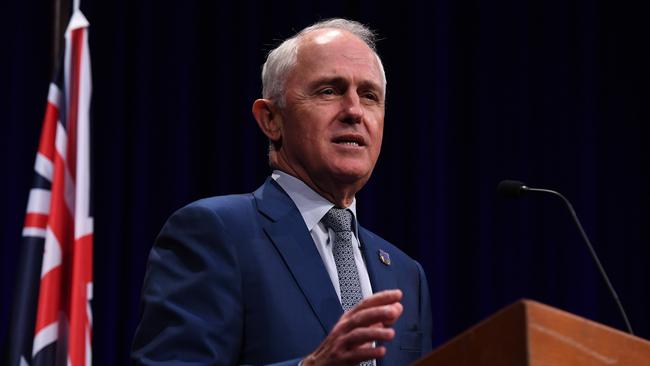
pixel 381 275
pixel 288 233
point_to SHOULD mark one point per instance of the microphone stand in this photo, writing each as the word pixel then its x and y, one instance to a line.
pixel 510 185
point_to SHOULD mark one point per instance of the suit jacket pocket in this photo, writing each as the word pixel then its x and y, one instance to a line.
pixel 411 341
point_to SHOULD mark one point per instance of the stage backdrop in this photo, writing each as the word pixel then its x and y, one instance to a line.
pixel 554 93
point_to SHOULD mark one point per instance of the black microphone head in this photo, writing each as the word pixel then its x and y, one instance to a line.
pixel 511 188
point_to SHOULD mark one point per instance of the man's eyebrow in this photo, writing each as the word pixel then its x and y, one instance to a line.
pixel 340 81
pixel 328 80
pixel 370 85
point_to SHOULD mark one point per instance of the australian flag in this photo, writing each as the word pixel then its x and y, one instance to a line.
pixel 51 314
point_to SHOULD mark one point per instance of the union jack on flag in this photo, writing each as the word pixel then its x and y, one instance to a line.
pixel 52 321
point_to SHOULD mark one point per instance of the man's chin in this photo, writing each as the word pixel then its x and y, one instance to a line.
pixel 351 176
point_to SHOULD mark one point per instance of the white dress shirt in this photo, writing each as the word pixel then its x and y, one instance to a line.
pixel 313 208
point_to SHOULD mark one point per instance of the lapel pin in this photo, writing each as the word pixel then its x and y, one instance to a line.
pixel 384 257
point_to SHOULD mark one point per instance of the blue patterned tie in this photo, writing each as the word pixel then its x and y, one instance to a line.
pixel 340 221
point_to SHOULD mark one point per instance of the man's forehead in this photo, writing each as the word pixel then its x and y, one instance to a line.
pixel 326 36
pixel 331 36
pixel 335 42
pixel 329 44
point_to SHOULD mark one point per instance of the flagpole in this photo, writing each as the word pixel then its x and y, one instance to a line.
pixel 61 16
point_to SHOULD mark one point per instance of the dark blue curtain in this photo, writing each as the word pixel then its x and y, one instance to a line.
pixel 555 93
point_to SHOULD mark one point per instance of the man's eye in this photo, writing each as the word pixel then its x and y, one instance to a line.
pixel 371 96
pixel 328 91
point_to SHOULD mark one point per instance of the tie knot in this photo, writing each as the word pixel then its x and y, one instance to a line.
pixel 338 219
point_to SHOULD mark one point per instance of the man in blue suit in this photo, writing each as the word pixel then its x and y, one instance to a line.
pixel 286 275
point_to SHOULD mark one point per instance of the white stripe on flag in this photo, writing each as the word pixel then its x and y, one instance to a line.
pixel 83 222
pixel 44 166
pixel 46 336
pixel 89 295
pixel 54 95
pixel 61 140
pixel 34 232
pixel 39 201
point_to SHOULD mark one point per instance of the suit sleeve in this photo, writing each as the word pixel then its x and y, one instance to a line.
pixel 425 312
pixel 192 296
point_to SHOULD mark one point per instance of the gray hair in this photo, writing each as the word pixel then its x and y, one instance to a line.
pixel 281 60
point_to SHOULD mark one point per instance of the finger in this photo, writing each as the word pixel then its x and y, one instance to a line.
pixel 400 310
pixel 386 314
pixel 362 337
pixel 380 298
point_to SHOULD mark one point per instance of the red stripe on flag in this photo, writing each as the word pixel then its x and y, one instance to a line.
pixel 60 219
pixel 82 272
pixel 36 220
pixel 48 134
pixel 73 110
pixel 49 299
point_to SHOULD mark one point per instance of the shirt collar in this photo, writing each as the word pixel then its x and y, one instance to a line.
pixel 312 206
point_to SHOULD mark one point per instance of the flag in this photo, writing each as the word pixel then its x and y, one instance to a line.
pixel 52 317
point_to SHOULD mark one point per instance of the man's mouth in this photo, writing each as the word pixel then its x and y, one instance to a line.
pixel 349 140
pixel 349 143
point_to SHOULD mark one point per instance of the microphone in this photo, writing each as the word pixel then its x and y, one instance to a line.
pixel 511 188
pixel 515 189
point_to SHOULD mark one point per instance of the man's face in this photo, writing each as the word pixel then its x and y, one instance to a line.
pixel 334 115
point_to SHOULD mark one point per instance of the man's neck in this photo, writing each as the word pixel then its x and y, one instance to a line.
pixel 341 197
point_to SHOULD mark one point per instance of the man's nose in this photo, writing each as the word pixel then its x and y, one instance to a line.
pixel 352 108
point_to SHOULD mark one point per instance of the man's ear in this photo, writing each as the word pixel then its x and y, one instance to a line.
pixel 268 119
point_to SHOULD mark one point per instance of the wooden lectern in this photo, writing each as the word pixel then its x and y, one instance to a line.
pixel 528 333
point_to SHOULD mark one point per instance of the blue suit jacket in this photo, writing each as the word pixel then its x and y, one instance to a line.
pixel 238 280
